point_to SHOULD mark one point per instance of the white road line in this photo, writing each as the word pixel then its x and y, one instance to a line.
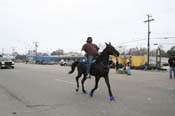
pixel 68 82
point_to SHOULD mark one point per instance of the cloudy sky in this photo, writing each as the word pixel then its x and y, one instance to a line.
pixel 66 24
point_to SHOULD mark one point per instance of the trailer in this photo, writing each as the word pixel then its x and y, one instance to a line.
pixel 42 59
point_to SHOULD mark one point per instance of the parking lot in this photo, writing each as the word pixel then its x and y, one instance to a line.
pixel 48 90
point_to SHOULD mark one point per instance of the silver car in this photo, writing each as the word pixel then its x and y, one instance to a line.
pixel 6 63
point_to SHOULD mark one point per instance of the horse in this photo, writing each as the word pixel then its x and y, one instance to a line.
pixel 99 68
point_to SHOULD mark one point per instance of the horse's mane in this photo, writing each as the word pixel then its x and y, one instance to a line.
pixel 102 57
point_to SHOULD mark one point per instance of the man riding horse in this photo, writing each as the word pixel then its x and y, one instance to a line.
pixel 99 68
pixel 91 51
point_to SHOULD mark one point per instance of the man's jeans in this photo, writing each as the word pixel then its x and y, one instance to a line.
pixel 88 65
pixel 172 70
pixel 128 69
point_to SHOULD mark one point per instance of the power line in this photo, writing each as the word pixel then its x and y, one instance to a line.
pixel 163 38
pixel 168 43
pixel 132 41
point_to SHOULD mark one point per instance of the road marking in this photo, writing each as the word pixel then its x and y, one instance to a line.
pixel 68 82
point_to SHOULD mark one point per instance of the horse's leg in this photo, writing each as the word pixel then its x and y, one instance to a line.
pixel 96 86
pixel 109 88
pixel 82 83
pixel 77 80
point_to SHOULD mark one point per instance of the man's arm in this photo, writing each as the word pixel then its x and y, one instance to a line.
pixel 83 48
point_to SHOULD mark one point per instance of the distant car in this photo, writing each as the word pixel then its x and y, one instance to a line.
pixel 6 63
pixel 69 63
pixel 62 62
pixel 66 62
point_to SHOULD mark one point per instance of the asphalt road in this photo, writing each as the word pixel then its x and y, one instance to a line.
pixel 48 90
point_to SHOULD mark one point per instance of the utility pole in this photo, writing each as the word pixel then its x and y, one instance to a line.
pixel 2 51
pixel 149 32
pixel 36 46
pixel 13 51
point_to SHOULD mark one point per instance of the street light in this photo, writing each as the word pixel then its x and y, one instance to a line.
pixel 155 44
pixel 169 37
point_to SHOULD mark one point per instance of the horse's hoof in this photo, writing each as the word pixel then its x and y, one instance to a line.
pixel 76 90
pixel 112 98
pixel 85 92
pixel 91 94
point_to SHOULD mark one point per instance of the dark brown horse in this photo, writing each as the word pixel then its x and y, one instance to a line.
pixel 100 68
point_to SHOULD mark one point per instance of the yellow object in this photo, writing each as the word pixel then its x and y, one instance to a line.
pixel 135 60
pixel 138 60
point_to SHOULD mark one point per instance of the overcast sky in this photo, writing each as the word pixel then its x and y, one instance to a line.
pixel 66 24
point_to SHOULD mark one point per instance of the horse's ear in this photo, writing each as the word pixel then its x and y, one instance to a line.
pixel 109 43
pixel 106 44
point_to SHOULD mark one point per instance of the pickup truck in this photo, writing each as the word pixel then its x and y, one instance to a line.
pixel 6 63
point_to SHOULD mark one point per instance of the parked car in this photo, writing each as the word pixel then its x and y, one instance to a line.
pixel 69 62
pixel 63 62
pixel 6 63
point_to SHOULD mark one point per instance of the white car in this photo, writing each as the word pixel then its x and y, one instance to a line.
pixel 6 63
pixel 66 62
pixel 62 62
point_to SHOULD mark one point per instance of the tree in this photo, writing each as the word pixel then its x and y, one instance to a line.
pixel 152 53
pixel 171 51
pixel 20 57
pixel 42 54
pixel 58 52
pixel 137 51
pixel 163 53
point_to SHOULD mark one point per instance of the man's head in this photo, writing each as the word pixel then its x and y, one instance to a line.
pixel 89 40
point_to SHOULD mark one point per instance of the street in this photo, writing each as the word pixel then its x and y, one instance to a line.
pixel 48 90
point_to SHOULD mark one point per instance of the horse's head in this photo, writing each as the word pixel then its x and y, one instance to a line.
pixel 110 50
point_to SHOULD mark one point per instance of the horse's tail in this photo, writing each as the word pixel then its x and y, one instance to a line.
pixel 73 67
